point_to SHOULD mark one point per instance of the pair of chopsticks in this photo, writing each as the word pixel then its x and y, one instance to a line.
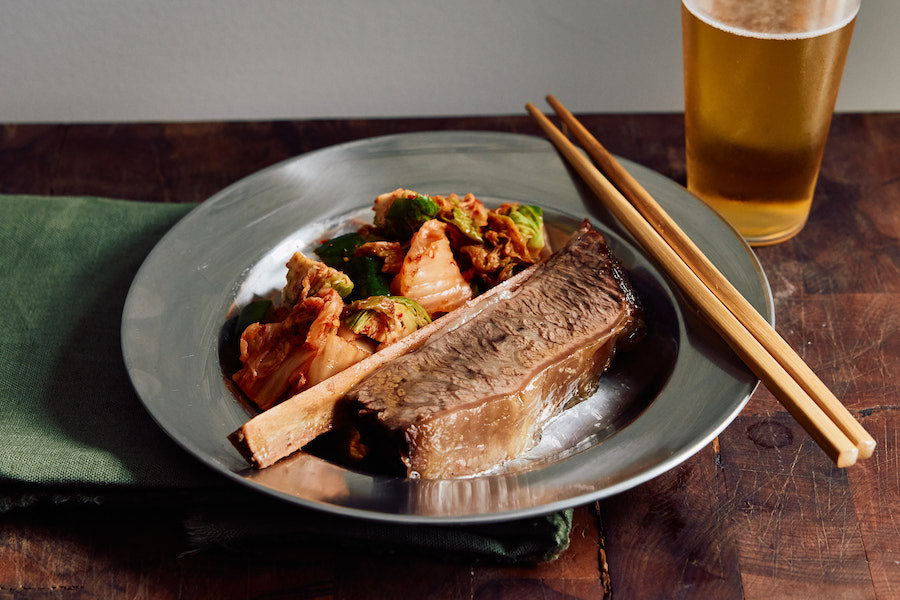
pixel 751 337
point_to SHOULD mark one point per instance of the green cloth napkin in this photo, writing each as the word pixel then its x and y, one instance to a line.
pixel 73 430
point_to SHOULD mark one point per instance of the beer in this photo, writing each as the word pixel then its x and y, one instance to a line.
pixel 758 105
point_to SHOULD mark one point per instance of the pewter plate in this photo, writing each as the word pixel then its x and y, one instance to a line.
pixel 659 404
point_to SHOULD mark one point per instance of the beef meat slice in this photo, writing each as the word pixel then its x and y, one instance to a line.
pixel 478 395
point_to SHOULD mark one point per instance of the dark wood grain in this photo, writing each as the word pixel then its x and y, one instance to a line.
pixel 760 513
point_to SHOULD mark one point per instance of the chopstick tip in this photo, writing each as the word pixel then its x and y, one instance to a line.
pixel 866 448
pixel 847 458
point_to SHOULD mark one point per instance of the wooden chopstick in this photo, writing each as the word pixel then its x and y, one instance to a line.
pixel 718 284
pixel 836 444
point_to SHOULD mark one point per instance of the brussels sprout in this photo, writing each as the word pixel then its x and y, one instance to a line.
pixel 464 222
pixel 337 281
pixel 406 214
pixel 386 319
pixel 467 214
pixel 530 221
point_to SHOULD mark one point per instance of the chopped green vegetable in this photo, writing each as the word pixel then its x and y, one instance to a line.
pixel 368 279
pixel 406 214
pixel 252 313
pixel 386 319
pixel 337 251
pixel 363 272
pixel 530 221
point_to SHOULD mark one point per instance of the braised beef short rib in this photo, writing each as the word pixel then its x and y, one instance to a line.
pixel 477 395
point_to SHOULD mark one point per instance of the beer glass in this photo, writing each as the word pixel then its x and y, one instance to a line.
pixel 760 81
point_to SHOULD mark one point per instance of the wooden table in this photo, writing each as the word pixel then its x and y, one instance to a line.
pixel 760 513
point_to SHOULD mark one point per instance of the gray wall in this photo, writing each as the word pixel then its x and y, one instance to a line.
pixel 115 60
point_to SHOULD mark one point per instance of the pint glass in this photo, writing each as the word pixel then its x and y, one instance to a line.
pixel 760 81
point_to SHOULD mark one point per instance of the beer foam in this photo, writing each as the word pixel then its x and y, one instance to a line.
pixel 761 30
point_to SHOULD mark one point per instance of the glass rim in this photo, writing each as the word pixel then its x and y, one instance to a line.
pixel 850 10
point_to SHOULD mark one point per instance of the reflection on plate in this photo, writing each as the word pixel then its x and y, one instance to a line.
pixel 659 404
